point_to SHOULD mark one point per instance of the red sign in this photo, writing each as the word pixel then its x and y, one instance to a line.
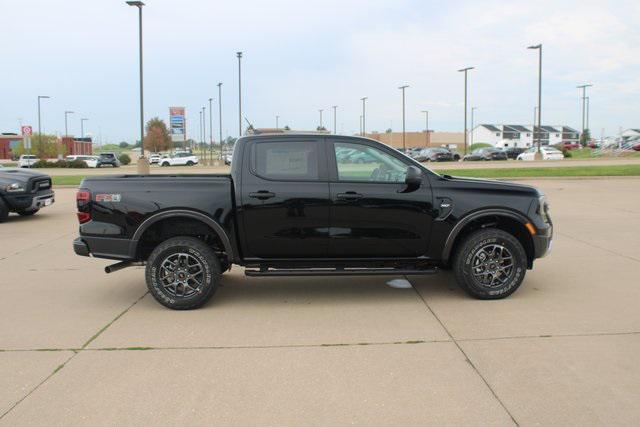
pixel 27 130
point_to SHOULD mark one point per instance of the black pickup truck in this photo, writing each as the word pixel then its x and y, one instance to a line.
pixel 301 205
pixel 24 191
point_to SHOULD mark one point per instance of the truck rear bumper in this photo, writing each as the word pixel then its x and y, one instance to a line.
pixel 104 247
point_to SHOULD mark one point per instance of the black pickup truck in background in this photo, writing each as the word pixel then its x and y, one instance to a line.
pixel 24 191
pixel 300 205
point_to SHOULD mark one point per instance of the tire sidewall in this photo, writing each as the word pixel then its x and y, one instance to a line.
pixel 473 245
pixel 198 250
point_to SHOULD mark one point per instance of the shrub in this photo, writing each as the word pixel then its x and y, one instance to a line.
pixel 479 145
pixel 74 164
pixel 124 159
pixel 60 164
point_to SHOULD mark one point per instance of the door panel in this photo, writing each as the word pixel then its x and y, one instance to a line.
pixel 370 214
pixel 285 199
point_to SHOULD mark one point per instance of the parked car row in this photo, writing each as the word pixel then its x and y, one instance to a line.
pixel 183 158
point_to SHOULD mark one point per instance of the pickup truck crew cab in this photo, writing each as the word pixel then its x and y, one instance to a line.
pixel 24 191
pixel 300 205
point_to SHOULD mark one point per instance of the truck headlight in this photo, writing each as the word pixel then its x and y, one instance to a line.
pixel 543 209
pixel 14 187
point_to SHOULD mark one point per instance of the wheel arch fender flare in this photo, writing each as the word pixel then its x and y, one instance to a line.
pixel 460 225
pixel 217 228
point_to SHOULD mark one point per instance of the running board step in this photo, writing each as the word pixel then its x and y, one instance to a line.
pixel 338 272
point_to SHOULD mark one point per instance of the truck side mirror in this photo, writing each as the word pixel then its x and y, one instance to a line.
pixel 413 179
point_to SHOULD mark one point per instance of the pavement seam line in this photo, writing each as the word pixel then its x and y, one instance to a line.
pixel 352 344
pixel 39 245
pixel 105 327
pixel 473 366
pixel 55 371
pixel 597 247
pixel 75 353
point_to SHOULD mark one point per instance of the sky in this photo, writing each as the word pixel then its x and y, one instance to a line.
pixel 302 56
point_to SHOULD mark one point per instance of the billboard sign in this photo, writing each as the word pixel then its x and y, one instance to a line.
pixel 177 126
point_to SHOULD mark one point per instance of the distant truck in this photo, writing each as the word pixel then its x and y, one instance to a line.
pixel 294 206
pixel 24 192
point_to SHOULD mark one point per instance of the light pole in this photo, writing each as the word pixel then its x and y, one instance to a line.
pixel 404 144
pixel 538 155
pixel 220 115
pixel 239 55
pixel 39 121
pixel 66 127
pixel 82 120
pixel 465 71
pixel 472 110
pixel 143 163
pixel 211 129
pixel 320 127
pixel 335 116
pixel 204 129
pixel 584 100
pixel 364 116
pixel 533 134
pixel 426 113
pixel 277 127
pixel 587 113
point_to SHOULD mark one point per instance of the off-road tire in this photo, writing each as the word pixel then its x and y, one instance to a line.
pixel 28 212
pixel 470 250
pixel 4 211
pixel 196 249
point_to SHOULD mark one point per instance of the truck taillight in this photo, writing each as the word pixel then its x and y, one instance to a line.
pixel 83 197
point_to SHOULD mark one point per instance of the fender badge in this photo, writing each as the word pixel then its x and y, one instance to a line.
pixel 108 197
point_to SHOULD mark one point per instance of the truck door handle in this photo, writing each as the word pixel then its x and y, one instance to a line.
pixel 349 195
pixel 262 195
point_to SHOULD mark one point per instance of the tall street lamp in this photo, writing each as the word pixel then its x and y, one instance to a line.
pixel 404 144
pixel 473 109
pixel 200 126
pixel 587 113
pixel 239 55
pixel 364 116
pixel 211 129
pixel 204 129
pixel 82 120
pixel 584 100
pixel 66 127
pixel 426 113
pixel 39 121
pixel 538 154
pixel 335 116
pixel 220 115
pixel 465 71
pixel 320 111
pixel 277 124
pixel 143 163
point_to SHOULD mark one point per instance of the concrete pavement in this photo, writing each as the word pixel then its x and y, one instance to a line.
pixel 81 347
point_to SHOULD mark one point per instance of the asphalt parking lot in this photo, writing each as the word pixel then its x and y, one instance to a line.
pixel 78 346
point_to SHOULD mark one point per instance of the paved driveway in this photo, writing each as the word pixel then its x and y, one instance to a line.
pixel 78 346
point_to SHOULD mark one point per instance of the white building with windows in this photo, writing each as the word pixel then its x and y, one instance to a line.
pixel 522 135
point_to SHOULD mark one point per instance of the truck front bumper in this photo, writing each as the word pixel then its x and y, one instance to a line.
pixel 542 242
pixel 29 202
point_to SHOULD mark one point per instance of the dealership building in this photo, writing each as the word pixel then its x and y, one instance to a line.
pixel 522 135
pixel 69 145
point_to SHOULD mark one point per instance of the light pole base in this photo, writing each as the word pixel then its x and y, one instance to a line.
pixel 537 156
pixel 143 166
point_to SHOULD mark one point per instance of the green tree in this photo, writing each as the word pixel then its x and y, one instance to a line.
pixel 585 137
pixel 44 147
pixel 124 144
pixel 157 138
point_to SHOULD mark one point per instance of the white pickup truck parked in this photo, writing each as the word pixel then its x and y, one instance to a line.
pixel 179 159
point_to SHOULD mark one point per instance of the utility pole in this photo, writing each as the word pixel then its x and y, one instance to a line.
pixel 426 113
pixel 220 115
pixel 472 110
pixel 465 70
pixel 66 127
pixel 538 155
pixel 404 144
pixel 320 127
pixel 364 116
pixel 335 116
pixel 239 55
pixel 584 100
pixel 277 127
pixel 211 129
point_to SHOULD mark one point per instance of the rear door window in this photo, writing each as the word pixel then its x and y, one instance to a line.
pixel 286 160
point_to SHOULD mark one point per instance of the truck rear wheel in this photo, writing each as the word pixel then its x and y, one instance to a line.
pixel 490 264
pixel 182 273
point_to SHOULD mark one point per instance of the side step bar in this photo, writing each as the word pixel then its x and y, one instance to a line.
pixel 338 272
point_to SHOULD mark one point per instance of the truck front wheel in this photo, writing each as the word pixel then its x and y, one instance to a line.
pixel 182 273
pixel 490 264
